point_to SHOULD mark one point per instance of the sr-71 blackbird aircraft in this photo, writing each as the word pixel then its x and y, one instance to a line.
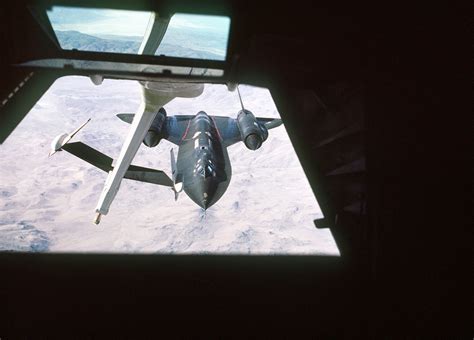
pixel 202 168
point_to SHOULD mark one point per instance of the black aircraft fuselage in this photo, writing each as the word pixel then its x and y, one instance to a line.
pixel 203 162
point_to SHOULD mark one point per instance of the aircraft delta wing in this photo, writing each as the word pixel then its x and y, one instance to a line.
pixel 175 127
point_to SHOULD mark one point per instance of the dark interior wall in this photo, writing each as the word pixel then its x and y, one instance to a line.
pixel 416 149
pixel 417 196
pixel 136 294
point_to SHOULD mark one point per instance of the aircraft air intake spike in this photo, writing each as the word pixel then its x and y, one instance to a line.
pixel 253 141
pixel 151 139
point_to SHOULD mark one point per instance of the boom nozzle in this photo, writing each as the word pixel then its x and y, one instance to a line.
pixel 97 218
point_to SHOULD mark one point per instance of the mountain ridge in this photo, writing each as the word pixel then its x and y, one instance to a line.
pixel 72 39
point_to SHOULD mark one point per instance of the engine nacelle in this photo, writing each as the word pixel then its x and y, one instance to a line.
pixel 156 131
pixel 252 132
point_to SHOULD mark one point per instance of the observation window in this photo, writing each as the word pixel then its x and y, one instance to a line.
pixel 139 32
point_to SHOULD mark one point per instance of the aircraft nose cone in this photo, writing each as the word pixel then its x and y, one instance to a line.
pixel 203 194
pixel 204 204
pixel 206 197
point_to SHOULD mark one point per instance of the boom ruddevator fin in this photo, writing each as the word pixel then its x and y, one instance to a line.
pixel 126 117
pixel 104 162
